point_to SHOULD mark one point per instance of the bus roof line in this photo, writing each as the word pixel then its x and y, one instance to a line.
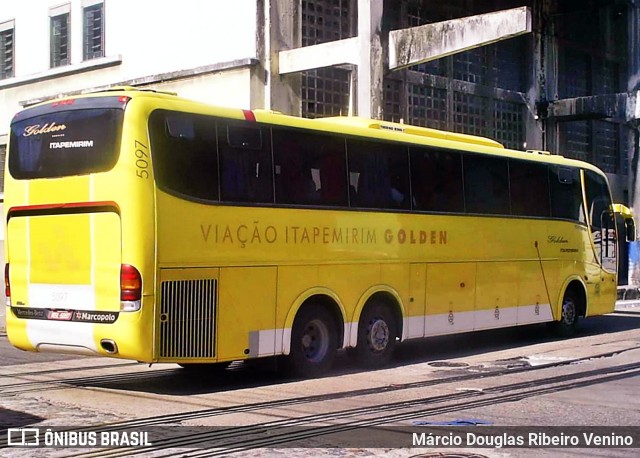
pixel 342 123
pixel 129 89
pixel 410 129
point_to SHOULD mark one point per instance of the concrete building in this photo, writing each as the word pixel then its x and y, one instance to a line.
pixel 560 75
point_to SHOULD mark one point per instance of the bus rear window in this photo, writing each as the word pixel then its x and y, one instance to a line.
pixel 65 143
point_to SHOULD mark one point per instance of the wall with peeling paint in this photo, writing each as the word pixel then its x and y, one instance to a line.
pixel 142 38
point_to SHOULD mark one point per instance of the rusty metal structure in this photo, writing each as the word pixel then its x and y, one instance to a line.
pixel 568 84
pixel 557 75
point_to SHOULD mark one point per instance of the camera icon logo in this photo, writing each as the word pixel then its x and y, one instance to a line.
pixel 23 437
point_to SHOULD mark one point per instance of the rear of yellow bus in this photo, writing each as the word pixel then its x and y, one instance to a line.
pixel 79 229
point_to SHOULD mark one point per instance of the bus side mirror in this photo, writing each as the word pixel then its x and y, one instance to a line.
pixel 629 223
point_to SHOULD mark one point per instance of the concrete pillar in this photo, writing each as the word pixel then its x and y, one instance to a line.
pixel 548 72
pixel 283 32
pixel 633 145
pixel 371 59
pixel 536 95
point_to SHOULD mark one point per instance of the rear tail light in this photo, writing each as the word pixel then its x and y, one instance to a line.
pixel 130 283
pixel 63 103
pixel 7 285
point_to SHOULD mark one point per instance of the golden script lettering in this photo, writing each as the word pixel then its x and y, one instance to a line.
pixel 36 129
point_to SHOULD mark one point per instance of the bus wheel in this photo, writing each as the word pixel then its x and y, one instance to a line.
pixel 377 332
pixel 568 323
pixel 313 343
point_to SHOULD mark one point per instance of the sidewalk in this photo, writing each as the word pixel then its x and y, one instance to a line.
pixel 628 306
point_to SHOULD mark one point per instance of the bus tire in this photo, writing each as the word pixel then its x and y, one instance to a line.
pixel 568 323
pixel 314 341
pixel 377 332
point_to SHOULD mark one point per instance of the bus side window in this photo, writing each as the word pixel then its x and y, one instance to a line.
pixel 436 180
pixel 332 174
pixel 185 153
pixel 382 171
pixel 566 193
pixel 486 185
pixel 309 168
pixel 246 173
pixel 529 185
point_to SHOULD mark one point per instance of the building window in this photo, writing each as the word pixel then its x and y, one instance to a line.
pixel 479 92
pixel 6 50
pixel 60 49
pixel 93 37
pixel 325 91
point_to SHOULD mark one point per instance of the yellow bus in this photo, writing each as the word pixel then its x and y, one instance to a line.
pixel 148 227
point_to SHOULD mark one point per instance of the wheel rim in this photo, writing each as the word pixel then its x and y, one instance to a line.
pixel 378 335
pixel 568 312
pixel 315 341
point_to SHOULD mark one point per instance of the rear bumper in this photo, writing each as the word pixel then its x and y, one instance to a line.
pixel 126 335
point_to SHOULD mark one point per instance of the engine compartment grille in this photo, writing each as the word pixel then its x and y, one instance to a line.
pixel 187 318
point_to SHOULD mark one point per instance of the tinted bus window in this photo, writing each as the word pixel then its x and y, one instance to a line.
pixel 309 168
pixel 529 184
pixel 436 180
pixel 598 200
pixel 566 193
pixel 246 173
pixel 601 219
pixel 378 175
pixel 486 185
pixel 184 149
pixel 65 143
